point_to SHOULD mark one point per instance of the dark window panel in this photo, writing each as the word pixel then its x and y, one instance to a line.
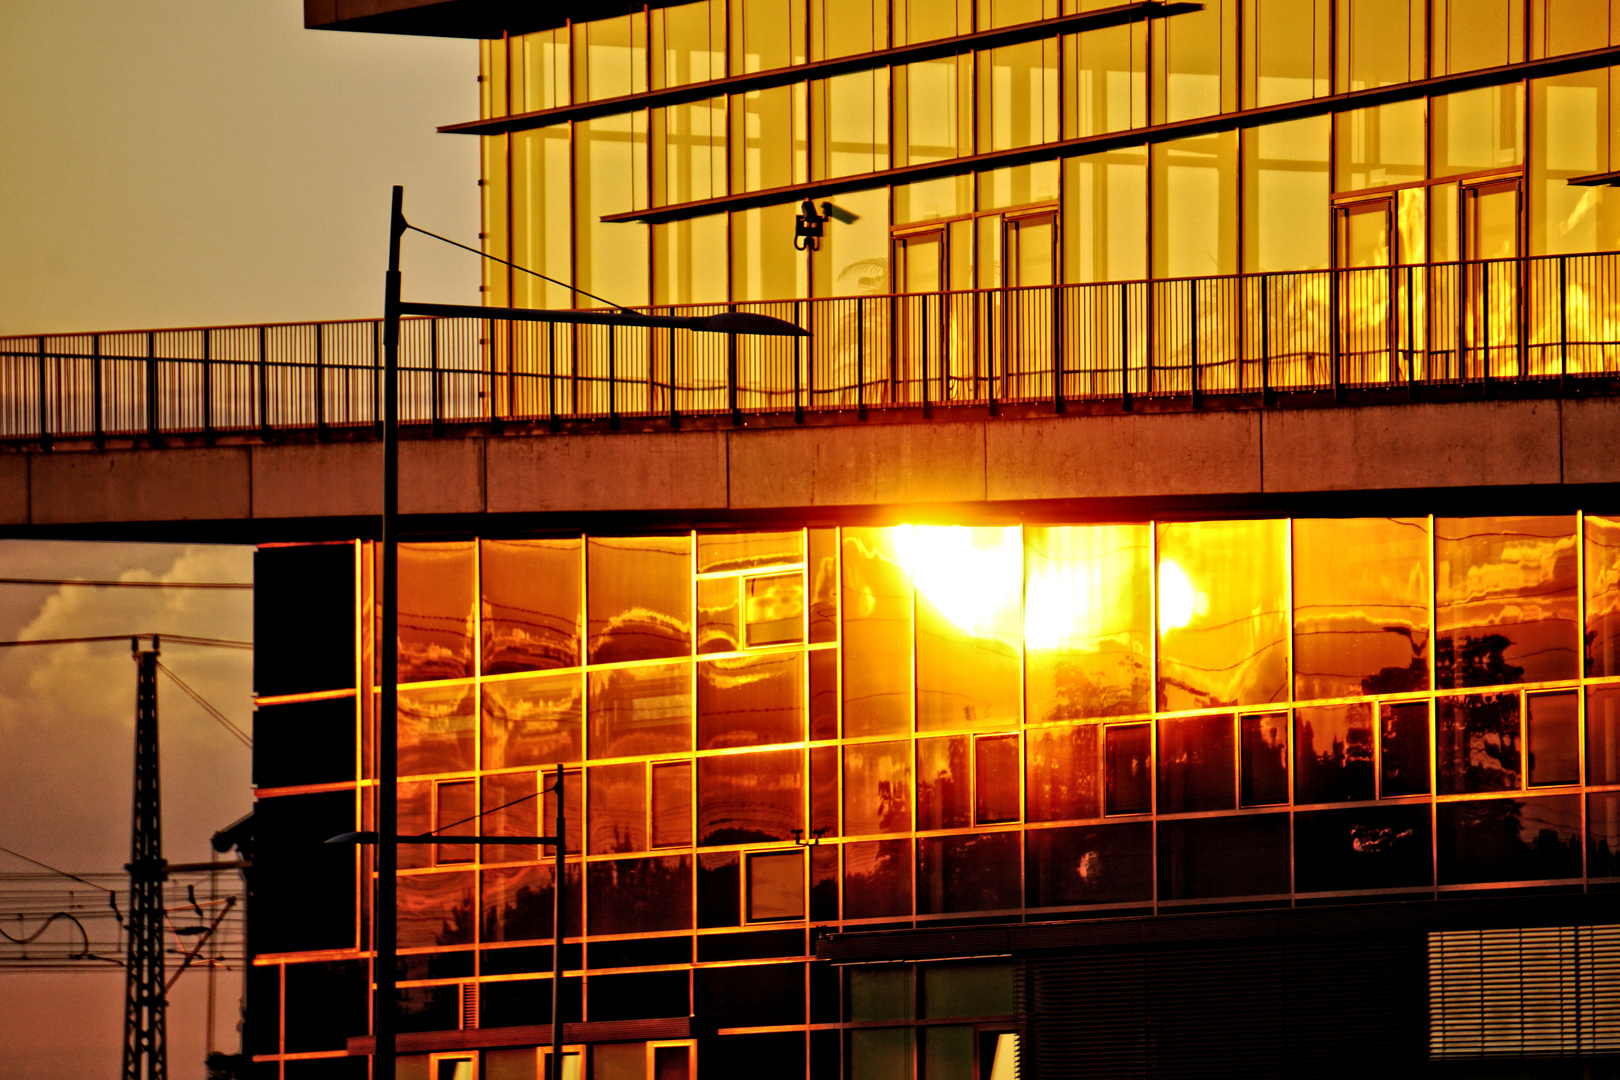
pixel 877 635
pixel 436 610
pixel 1603 735
pixel 1089 864
pixel 824 882
pixel 640 996
pixel 1263 765
pixel 639 599
pixel 1602 597
pixel 304 890
pixel 1333 753
pixel 946 1051
pixel 778 1054
pixel 439 964
pixel 1061 772
pixel 1361 606
pixel 455 810
pixel 760 945
pixel 641 952
pixel 629 896
pixel 305 742
pixel 1553 737
pixel 969 873
pixel 719 617
pixel 773 609
pixel 1509 839
pixel 526 959
pixel 877 788
pixel 1477 743
pixel 969 611
pixel 1366 847
pixel 1603 834
pixel 824 694
pixel 261 1030
pixel 435 909
pixel 533 614
pixel 719 552
pixel 436 729
pixel 944 784
pixel 750 798
pixel 1127 760
pixel 719 889
pixel 825 1005
pixel 1210 858
pixel 750 701
pixel 824 790
pixel 995 779
pixel 672 804
pixel 644 710
pixel 520 1002
pixel 1088 621
pixel 946 991
pixel 303 619
pixel 752 996
pixel 1505 604
pixel 573 810
pixel 1404 749
pixel 618 808
pixel 877 879
pixel 776 885
pixel 822 570
pixel 879 992
pixel 533 721
pixel 518 903
pixel 1195 764
pixel 343 1068
pixel 520 818
pixel 429 1008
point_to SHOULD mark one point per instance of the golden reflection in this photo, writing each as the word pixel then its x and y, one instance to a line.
pixel 971 576
pixel 1179 602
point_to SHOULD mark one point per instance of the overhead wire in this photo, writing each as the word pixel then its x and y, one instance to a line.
pixel 242 736
pixel 177 639
pixel 107 584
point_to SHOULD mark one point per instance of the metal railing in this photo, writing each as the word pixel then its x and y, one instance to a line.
pixel 1511 320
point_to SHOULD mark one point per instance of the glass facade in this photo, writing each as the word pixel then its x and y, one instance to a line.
pixel 771 736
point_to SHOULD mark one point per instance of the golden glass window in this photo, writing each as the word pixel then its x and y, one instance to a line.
pixel 640 710
pixel 1061 772
pixel 437 729
pixel 968 586
pixel 750 701
pixel 877 635
pixel 532 610
pixel 750 798
pixel 639 598
pixel 877 788
pixel 774 609
pixel 537 720
pixel 436 610
pixel 1602 543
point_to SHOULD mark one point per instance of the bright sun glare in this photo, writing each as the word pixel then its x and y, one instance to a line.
pixel 972 576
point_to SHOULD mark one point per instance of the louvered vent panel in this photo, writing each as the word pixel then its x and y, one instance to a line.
pixel 469 1005
pixel 1539 992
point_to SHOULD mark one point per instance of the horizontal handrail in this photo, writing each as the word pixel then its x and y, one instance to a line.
pixel 1506 320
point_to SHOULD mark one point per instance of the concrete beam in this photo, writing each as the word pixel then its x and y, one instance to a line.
pixel 179 484
pixel 857 465
pixel 594 473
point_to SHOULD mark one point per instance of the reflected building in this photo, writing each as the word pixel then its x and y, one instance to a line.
pixel 1262 786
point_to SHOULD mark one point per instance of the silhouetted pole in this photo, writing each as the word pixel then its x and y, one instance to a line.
pixel 557 936
pixel 145 1045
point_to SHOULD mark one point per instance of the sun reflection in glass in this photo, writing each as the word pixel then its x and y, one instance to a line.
pixel 971 576
pixel 1179 602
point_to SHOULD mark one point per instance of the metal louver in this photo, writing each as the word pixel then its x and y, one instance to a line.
pixel 469 1005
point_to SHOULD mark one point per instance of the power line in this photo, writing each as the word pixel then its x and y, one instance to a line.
pixel 175 639
pixel 104 584
pixel 241 735
pixel 54 870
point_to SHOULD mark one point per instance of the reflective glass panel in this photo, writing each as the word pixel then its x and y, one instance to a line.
pixel 1089 864
pixel 635 896
pixel 1509 839
pixel 968 873
pixel 435 909
pixel 1088 621
pixel 1263 743
pixel 573 808
pixel 1205 858
pixel 437 729
pixel 414 812
pixel 1195 764
pixel 822 571
pixel 1602 597
pixel 643 710
pixel 774 609
pixel 745 551
pixel 518 903
pixel 532 613
pixel 456 812
pixel 1333 753
pixel 877 788
pixel 750 798
pixel 511 807
pixel 1061 772
pixel 719 889
pixel 824 881
pixel 532 721
pixel 1505 600
pixel 719 618
pixel 876 604
pixel 824 694
pixel 1553 737
pixel 1603 735
pixel 672 804
pixel 1404 748
pixel 824 790
pixel 877 879
pixel 618 806
pixel 1361 606
pixel 1223 619
pixel 969 583
pixel 639 597
pixel 776 886
pixel 944 787
pixel 1603 834
pixel 1127 761
pixel 750 701
pixel 1477 743
pixel 1365 847
pixel 436 611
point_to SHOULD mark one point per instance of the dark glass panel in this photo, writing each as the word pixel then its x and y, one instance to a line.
pixel 305 896
pixel 944 787
pixel 877 788
pixel 630 896
pixel 1208 858
pixel 332 1068
pixel 968 873
pixel 1061 772
pixel 456 811
pixel 1364 847
pixel 824 791
pixel 750 701
pixel 1553 737
pixel 1089 864
pixel 436 611
pixel 776 1054
pixel 304 742
pixel 879 992
pixel 517 904
pixel 750 798
pixel 641 952
pixel 1333 753
pixel 877 634
pixel 644 995
pixel 435 909
pixel 822 571
pixel 1088 621
pixel 672 1063
pixel 752 996
pixel 1361 606
pixel 1223 614
pixel 1405 748
pixel 773 609
pixel 1477 745
pixel 826 1001
pixel 573 808
pixel 1603 735
pixel 947 1052
pixel 643 710
pixel 1263 768
pixel 877 879
pixel 326 1003
pixel 519 1002
pixel 879 1053
pixel 719 889
pixel 995 779
pixel 1509 839
pixel 618 805
pixel 413 810
pixel 1127 754
pixel 639 597
pixel 439 964
pixel 1195 764
pixel 824 881
pixel 824 694
pixel 775 886
pixel 261 1018
pixel 756 945
pixel 303 618
pixel 1602 597
pixel 719 621
pixel 1504 600
pixel 969 588
pixel 429 1008
pixel 531 603
pixel 436 729
pixel 1603 834
pixel 946 991
pixel 532 721
pixel 672 804
pixel 718 552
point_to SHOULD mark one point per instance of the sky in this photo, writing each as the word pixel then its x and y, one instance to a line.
pixel 182 163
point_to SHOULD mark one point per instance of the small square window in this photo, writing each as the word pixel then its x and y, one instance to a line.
pixel 775 609
pixel 775 886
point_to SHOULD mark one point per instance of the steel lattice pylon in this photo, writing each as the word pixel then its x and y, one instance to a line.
pixel 145 1050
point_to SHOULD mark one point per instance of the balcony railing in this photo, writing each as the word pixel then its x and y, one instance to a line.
pixel 1513 320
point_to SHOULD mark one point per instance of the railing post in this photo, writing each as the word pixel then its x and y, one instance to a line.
pixel 95 390
pixel 1266 397
pixel 1485 316
pixel 860 358
pixel 1411 329
pixel 44 406
pixel 436 385
pixel 798 374
pixel 922 326
pixel 1336 277
pixel 731 380
pixel 1563 325
pixel 376 375
pixel 894 350
pixel 1125 346
pixel 551 378
pixel 1057 348
pixel 320 382
pixel 613 383
pixel 996 357
pixel 1197 388
pixel 264 384
pixel 151 385
pixel 674 411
